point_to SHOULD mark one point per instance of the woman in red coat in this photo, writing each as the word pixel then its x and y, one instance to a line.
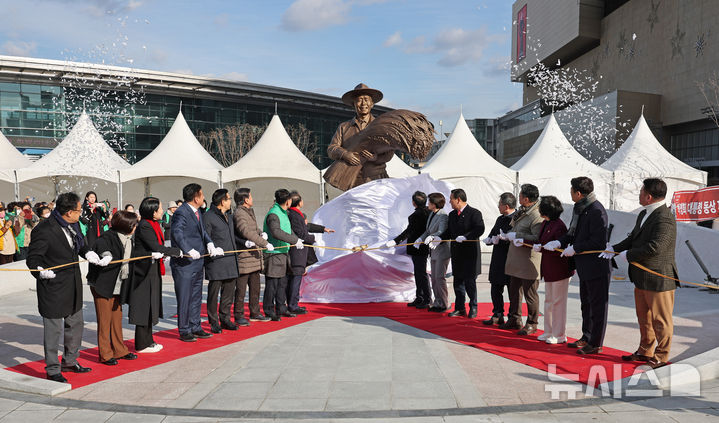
pixel 555 271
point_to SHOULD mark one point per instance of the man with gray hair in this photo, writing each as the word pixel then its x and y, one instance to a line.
pixel 498 278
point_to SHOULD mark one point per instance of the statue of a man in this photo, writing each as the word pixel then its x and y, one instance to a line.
pixel 362 98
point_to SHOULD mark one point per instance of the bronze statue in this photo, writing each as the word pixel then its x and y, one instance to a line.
pixel 361 147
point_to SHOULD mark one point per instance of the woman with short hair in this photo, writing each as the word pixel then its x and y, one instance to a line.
pixel 108 283
pixel 555 271
pixel 146 292
pixel 439 251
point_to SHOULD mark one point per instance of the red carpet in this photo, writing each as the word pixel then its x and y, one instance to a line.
pixel 523 349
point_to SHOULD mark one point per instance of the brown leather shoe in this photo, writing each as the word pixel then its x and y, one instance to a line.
pixel 588 349
pixel 511 325
pixel 654 364
pixel 635 357
pixel 494 320
pixel 579 343
pixel 528 329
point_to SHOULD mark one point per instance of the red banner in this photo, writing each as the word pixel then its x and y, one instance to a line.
pixel 694 206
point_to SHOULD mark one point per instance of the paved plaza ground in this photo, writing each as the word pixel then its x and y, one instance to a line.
pixel 353 369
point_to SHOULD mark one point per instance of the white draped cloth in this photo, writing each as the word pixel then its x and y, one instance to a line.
pixel 370 214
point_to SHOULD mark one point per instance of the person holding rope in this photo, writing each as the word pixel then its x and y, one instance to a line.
pixel 436 228
pixel 588 232
pixel 498 278
pixel 59 241
pixel 651 244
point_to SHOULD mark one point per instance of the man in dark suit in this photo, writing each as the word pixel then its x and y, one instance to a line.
pixel 651 244
pixel 189 235
pixel 418 253
pixel 222 271
pixel 498 279
pixel 587 232
pixel 465 223
pixel 58 240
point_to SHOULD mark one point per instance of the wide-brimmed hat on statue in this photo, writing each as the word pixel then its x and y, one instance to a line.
pixel 361 89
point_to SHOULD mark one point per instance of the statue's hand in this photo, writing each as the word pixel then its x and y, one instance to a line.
pixel 368 155
pixel 353 159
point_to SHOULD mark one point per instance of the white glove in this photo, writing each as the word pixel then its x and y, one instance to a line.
pixel 428 240
pixel 156 255
pixel 300 244
pixel 518 242
pixel 502 235
pixel 46 274
pixel 511 236
pixel 568 252
pixel 92 257
pixel 194 254
pixel 264 235
pixel 461 239
pixel 217 252
pixel 249 244
pixel 623 255
pixel 390 244
pixel 537 247
pixel 105 260
pixel 418 241
pixel 551 245
pixel 607 254
pixel 488 240
pixel 435 243
pixel 495 239
pixel 270 247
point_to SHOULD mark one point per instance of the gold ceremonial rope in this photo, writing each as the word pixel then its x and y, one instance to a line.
pixel 365 247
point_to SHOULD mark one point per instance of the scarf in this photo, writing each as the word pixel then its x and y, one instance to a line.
pixel 78 241
pixel 579 207
pixel 160 239
pixel 520 212
pixel 298 211
pixel 126 241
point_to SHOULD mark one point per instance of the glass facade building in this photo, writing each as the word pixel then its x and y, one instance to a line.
pixel 41 99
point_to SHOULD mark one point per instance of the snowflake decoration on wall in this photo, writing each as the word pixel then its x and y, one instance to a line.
pixel 677 39
pixel 700 44
pixel 653 16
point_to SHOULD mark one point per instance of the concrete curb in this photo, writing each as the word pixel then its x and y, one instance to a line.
pixel 22 383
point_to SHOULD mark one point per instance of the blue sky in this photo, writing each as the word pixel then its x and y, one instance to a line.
pixel 429 56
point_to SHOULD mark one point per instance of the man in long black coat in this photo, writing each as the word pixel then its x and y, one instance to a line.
pixel 417 223
pixel 588 232
pixel 55 241
pixel 465 224
pixel 498 279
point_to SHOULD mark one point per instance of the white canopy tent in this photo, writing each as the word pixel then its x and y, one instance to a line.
pixel 642 156
pixel 11 159
pixel 179 159
pixel 81 162
pixel 552 162
pixel 463 162
pixel 275 162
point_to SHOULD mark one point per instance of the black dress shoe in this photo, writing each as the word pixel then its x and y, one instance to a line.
pixel 288 314
pixel 129 356
pixel 232 326
pixel 472 313
pixel 579 343
pixel 259 318
pixel 422 306
pixel 413 303
pixel 202 334
pixel 298 311
pixel 588 349
pixel 275 318
pixel 77 368
pixel 435 309
pixel 635 357
pixel 110 362
pixel 187 337
pixel 494 320
pixel 457 313
pixel 215 328
pixel 57 378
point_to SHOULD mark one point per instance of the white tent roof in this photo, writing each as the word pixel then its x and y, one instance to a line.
pixel 11 159
pixel 396 168
pixel 462 156
pixel 178 154
pixel 82 153
pixel 643 156
pixel 274 156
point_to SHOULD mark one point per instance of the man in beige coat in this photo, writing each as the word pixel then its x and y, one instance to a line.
pixel 249 262
pixel 522 264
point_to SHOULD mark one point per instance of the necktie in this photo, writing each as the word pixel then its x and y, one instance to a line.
pixel 197 214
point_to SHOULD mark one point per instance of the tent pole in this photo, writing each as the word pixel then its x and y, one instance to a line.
pixel 516 184
pixel 322 189
pixel 17 187
pixel 612 204
pixel 119 190
pixel 147 187
pixel 219 179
